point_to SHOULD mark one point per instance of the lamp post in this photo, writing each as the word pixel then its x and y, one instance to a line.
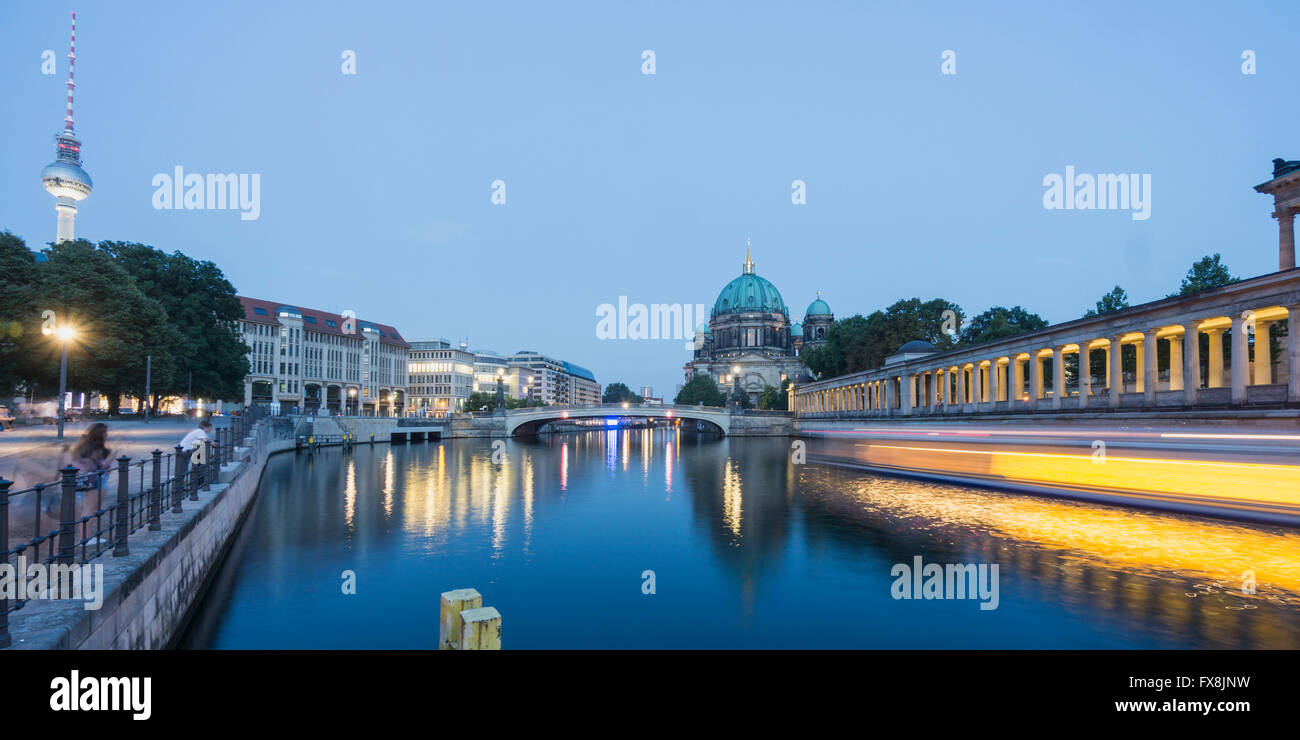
pixel 735 384
pixel 352 400
pixel 65 334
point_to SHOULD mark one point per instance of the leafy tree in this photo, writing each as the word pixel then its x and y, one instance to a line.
pixel 773 398
pixel 620 393
pixel 17 310
pixel 1116 299
pixel 701 389
pixel 1207 272
pixel 999 323
pixel 117 325
pixel 203 315
pixel 487 401
pixel 860 343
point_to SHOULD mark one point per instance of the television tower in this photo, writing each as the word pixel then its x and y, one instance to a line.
pixel 64 178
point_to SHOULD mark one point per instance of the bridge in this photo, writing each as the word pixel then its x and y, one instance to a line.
pixel 527 421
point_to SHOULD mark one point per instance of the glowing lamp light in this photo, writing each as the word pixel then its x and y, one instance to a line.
pixel 625 404
pixel 65 333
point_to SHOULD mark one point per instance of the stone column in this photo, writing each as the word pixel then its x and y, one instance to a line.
pixel 990 385
pixel 1240 359
pixel 1191 362
pixel 1085 373
pixel 961 387
pixel 1216 358
pixel 1017 380
pixel 1293 353
pixel 1150 367
pixel 1286 238
pixel 1058 375
pixel 1263 353
pixel 1035 378
pixel 1116 369
pixel 1175 364
pixel 1140 358
pixel 908 380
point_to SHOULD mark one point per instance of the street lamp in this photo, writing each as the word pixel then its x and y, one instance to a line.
pixel 352 402
pixel 65 335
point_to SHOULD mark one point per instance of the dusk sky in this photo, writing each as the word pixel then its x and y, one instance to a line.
pixel 376 187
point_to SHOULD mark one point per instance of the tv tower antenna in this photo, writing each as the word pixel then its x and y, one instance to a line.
pixel 64 178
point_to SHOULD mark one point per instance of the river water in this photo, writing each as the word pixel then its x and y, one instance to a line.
pixel 741 546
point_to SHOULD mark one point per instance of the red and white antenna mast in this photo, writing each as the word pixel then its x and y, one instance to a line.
pixel 72 60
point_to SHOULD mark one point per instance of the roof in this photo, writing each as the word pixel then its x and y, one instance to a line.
pixel 749 292
pixel 818 308
pixel 578 370
pixel 258 311
pixel 916 346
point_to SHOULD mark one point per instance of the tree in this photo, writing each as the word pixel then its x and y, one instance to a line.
pixel 859 343
pixel 18 317
pixel 1116 299
pixel 207 352
pixel 700 389
pixel 1205 273
pixel 999 322
pixel 117 325
pixel 620 393
pixel 773 398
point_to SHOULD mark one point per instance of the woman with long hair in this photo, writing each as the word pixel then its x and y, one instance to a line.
pixel 90 456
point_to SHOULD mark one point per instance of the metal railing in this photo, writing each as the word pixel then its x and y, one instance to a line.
pixel 85 520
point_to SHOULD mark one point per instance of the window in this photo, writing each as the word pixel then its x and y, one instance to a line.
pixel 259 311
pixel 328 322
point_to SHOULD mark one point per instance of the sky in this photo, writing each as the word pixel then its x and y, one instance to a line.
pixel 376 188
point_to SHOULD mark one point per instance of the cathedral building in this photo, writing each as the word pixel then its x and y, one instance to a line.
pixel 751 343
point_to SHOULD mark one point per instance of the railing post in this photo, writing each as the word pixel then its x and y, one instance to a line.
pixel 208 462
pixel 181 479
pixel 123 506
pixel 4 559
pixel 155 493
pixel 67 509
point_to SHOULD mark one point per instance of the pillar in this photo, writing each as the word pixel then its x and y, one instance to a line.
pixel 885 396
pixel 1175 364
pixel 1216 358
pixel 1263 353
pixel 961 387
pixel 1286 238
pixel 1085 373
pixel 1017 380
pixel 989 384
pixel 1240 358
pixel 1140 362
pixel 1115 371
pixel 1293 353
pixel 909 392
pixel 1191 362
pixel 1035 378
pixel 1150 367
pixel 1058 375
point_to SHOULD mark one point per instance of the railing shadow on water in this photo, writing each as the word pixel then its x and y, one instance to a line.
pixel 82 515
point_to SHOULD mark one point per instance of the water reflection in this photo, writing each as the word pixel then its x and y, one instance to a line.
pixel 748 545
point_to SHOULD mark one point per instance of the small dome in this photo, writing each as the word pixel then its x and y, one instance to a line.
pixel 916 347
pixel 796 329
pixel 818 308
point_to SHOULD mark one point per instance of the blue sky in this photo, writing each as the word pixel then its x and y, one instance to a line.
pixel 376 187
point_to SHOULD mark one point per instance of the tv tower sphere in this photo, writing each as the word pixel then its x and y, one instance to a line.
pixel 64 178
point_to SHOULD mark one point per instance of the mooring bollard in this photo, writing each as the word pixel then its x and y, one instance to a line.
pixel 453 603
pixel 4 549
pixel 480 629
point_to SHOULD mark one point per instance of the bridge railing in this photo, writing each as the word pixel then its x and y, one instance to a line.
pixel 81 515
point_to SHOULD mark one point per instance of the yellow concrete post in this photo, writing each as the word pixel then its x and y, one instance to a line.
pixel 453 603
pixel 480 629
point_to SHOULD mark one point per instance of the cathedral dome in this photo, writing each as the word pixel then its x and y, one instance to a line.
pixel 818 308
pixel 749 292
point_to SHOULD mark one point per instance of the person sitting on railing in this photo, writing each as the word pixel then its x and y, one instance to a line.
pixel 191 447
pixel 91 457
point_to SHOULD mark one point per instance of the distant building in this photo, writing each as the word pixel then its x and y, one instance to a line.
pixel 440 377
pixel 646 391
pixel 751 343
pixel 315 360
pixel 555 381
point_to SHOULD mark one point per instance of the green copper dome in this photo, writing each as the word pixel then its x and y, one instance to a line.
pixel 749 292
pixel 818 308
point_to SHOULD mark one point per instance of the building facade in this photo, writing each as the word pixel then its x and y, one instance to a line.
pixel 441 377
pixel 751 343
pixel 321 362
pixel 555 381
